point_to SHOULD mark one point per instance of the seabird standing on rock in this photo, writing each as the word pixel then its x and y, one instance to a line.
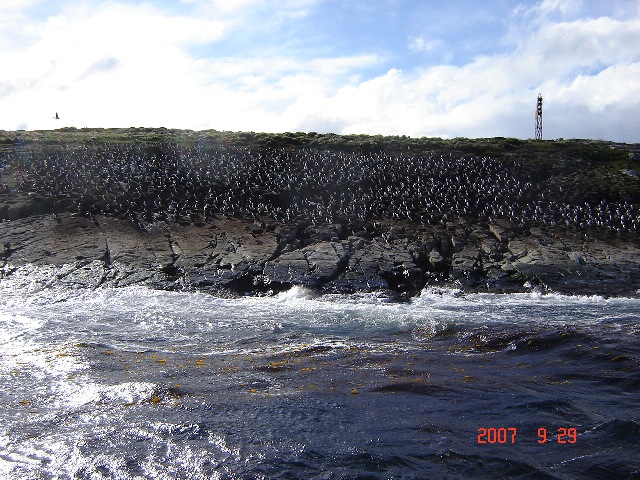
pixel 170 182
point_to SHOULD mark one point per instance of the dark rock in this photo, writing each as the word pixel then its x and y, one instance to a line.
pixel 230 256
pixel 485 215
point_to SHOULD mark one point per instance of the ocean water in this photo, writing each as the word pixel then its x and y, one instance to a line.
pixel 136 383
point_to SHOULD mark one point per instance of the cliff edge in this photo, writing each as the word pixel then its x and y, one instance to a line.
pixel 239 213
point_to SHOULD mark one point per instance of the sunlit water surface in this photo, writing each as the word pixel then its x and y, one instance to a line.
pixel 137 383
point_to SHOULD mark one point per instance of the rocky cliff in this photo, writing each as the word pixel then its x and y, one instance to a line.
pixel 257 214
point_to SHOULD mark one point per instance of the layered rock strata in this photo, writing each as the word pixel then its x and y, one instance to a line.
pixel 234 257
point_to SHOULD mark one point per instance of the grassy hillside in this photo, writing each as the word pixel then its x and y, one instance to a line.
pixel 572 172
pixel 597 167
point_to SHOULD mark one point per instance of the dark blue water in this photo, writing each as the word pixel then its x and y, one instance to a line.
pixel 135 383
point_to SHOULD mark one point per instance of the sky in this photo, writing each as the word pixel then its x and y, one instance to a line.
pixel 445 68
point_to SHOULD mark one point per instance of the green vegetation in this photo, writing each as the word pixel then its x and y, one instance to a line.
pixel 574 169
pixel 497 147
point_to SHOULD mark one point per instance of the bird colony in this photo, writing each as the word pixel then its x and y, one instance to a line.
pixel 147 183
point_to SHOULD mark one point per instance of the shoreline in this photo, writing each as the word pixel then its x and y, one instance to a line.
pixel 250 213
pixel 234 257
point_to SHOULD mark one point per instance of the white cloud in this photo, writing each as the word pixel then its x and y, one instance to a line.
pixel 243 10
pixel 130 66
pixel 563 7
pixel 89 64
pixel 420 44
pixel 234 5
pixel 123 65
pixel 542 11
pixel 582 66
pixel 602 41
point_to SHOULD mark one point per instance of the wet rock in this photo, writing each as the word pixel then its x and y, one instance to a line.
pixel 379 264
pixel 436 260
pixel 290 268
pixel 499 232
pixel 327 259
pixel 466 263
pixel 232 256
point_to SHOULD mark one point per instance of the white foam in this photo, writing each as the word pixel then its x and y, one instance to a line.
pixel 71 394
pixel 536 297
pixel 15 325
pixel 136 317
pixel 296 293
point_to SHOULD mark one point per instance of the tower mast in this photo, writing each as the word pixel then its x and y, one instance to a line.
pixel 539 118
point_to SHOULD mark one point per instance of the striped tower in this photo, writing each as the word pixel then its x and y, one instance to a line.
pixel 539 118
